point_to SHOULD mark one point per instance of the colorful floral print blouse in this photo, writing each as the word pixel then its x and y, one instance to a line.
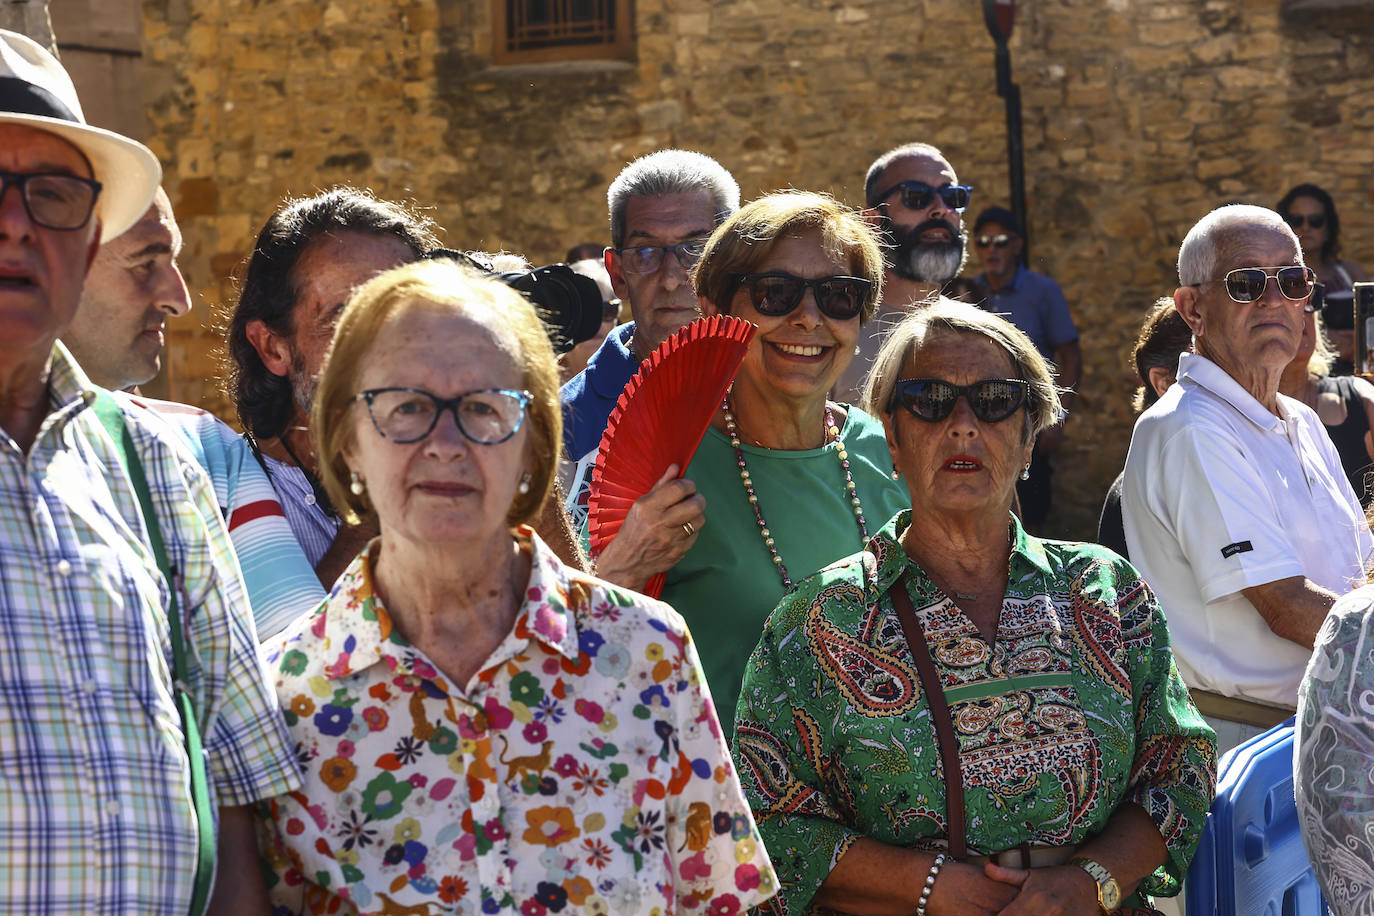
pixel 582 770
pixel 1074 709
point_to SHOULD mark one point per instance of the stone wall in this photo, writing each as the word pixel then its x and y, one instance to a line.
pixel 1140 115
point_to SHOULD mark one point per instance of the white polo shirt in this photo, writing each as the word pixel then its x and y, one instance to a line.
pixel 1221 495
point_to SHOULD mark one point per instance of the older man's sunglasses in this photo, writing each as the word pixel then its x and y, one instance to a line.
pixel 931 399
pixel 917 195
pixel 1001 240
pixel 776 293
pixel 1247 284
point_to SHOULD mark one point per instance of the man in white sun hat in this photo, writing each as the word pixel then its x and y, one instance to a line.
pixel 125 638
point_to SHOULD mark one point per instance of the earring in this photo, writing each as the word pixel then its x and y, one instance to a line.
pixel 896 474
pixel 858 351
pixel 524 486
pixel 355 484
pixel 1025 472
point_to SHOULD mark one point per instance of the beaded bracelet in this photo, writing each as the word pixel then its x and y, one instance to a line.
pixel 930 883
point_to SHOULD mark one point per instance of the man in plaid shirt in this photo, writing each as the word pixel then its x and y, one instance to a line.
pixel 96 814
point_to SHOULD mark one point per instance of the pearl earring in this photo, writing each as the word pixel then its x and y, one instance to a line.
pixel 1025 472
pixel 524 486
pixel 896 474
pixel 355 484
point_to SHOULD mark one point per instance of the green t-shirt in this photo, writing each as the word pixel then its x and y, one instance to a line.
pixel 726 585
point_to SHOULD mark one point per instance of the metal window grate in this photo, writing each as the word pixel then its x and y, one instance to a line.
pixel 535 30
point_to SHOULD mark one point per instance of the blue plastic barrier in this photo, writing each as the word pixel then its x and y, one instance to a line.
pixel 1251 861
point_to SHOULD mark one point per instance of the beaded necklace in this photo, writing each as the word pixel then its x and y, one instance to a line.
pixel 832 434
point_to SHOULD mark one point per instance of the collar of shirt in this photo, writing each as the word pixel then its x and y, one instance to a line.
pixel 69 393
pixel 1027 559
pixel 1203 373
pixel 358 625
pixel 1008 287
pixel 606 370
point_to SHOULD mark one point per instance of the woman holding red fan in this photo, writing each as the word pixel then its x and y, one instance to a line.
pixel 791 480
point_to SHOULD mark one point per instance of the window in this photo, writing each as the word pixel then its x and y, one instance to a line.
pixel 536 31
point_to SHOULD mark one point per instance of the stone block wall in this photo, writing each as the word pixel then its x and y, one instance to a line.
pixel 1140 115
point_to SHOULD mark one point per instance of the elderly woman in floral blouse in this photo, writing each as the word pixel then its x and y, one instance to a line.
pixel 960 651
pixel 482 729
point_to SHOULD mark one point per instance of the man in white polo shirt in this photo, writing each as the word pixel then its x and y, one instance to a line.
pixel 1237 511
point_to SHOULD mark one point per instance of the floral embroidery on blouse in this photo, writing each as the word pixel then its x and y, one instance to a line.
pixel 581 770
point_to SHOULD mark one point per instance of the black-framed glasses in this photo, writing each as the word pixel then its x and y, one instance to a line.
pixel 777 293
pixel 1002 240
pixel 488 416
pixel 610 310
pixel 54 200
pixel 917 195
pixel 1296 220
pixel 992 400
pixel 1247 284
pixel 647 259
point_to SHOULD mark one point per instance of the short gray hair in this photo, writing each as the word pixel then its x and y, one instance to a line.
pixel 1201 248
pixel 880 165
pixel 670 171
pixel 949 316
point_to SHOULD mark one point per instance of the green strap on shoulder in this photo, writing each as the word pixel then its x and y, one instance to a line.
pixel 112 418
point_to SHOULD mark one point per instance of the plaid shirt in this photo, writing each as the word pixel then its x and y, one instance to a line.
pixel 97 816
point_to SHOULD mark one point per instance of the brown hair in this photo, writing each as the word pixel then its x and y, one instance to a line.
pixel 745 240
pixel 447 286
pixel 1163 337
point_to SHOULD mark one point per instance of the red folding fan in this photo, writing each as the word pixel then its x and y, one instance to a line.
pixel 661 418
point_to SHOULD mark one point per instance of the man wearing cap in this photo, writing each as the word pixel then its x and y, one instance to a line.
pixel 1236 508
pixel 1035 304
pixel 117 337
pixel 913 197
pixel 98 812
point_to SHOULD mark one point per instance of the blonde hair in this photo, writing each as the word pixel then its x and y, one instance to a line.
pixel 948 316
pixel 445 286
pixel 745 240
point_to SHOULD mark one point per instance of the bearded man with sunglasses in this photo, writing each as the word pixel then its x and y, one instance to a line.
pixel 1236 508
pixel 1035 304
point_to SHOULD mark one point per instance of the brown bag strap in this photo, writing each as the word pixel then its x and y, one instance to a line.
pixel 939 712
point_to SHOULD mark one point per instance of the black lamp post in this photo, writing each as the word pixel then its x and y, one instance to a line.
pixel 999 15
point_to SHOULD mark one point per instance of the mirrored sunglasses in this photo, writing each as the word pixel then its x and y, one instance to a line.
pixel 998 241
pixel 647 259
pixel 917 195
pixel 1247 284
pixel 931 399
pixel 777 293
pixel 1296 220
pixel 489 416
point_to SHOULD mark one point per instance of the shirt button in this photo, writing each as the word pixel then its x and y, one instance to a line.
pixel 88 686
pixel 310 499
pixel 64 568
pixel 112 808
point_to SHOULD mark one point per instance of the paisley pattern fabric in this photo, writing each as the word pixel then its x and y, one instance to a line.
pixel 1074 709
pixel 1334 777
pixel 581 770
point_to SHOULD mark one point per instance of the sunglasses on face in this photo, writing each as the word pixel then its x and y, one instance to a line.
pixel 931 399
pixel 1316 220
pixel 917 195
pixel 647 259
pixel 776 293
pixel 488 417
pixel 997 241
pixel 1247 284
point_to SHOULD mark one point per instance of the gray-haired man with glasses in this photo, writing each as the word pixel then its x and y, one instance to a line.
pixel 1237 510
pixel 663 207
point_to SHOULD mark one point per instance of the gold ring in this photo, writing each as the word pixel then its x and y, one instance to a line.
pixel 689 528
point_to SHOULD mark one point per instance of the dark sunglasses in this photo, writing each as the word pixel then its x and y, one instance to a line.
pixel 1316 220
pixel 777 293
pixel 917 195
pixel 998 241
pixel 647 259
pixel 931 399
pixel 1247 284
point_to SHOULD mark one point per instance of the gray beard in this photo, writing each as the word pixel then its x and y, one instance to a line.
pixel 303 385
pixel 929 263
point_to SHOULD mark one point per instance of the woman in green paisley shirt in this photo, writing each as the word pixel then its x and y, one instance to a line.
pixel 1086 771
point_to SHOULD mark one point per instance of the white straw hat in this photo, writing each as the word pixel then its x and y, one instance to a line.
pixel 36 91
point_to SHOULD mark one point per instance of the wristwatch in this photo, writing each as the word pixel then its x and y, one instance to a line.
pixel 1108 891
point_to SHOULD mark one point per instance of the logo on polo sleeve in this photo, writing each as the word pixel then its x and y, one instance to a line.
pixel 1230 550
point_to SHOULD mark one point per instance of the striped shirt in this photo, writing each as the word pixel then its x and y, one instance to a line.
pixel 281 580
pixel 314 528
pixel 96 808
